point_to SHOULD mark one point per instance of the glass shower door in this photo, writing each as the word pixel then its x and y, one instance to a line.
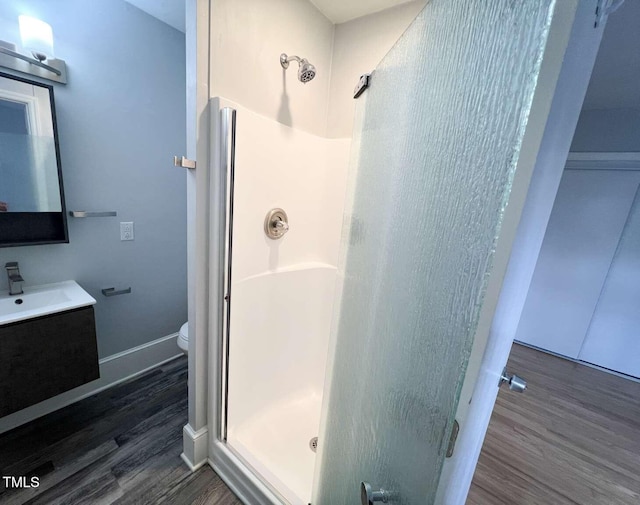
pixel 436 147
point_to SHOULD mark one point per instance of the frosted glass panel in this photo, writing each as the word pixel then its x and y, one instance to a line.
pixel 612 340
pixel 437 148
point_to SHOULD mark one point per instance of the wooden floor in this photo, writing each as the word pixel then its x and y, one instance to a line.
pixel 121 446
pixel 572 438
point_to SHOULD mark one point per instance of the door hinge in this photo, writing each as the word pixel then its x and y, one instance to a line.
pixel 181 161
pixel 452 439
pixel 604 8
pixel 363 84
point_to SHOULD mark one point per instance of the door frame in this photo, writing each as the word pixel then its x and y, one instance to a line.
pixel 603 160
pixel 563 81
pixel 569 59
pixel 195 434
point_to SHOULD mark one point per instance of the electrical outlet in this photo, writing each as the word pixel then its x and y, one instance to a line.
pixel 126 231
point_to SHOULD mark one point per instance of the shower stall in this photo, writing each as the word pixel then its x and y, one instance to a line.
pixel 350 274
pixel 280 292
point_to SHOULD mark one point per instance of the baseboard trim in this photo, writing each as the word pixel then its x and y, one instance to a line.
pixel 191 466
pixel 114 369
pixel 244 484
pixel 580 362
pixel 195 445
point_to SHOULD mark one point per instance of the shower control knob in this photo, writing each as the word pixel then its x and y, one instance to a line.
pixel 281 225
pixel 276 224
pixel 368 496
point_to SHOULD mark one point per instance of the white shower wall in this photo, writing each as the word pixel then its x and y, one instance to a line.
pixel 282 295
pixel 247 38
pixel 278 353
pixel 280 166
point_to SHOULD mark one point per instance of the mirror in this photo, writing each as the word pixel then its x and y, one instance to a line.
pixel 32 209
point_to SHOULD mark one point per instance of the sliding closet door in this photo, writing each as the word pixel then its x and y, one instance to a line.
pixel 586 223
pixel 613 339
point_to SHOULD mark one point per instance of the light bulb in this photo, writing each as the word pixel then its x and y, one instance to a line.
pixel 36 37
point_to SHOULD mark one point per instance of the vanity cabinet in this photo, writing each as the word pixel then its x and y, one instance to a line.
pixel 583 298
pixel 45 356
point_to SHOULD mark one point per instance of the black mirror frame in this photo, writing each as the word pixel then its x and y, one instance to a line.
pixel 37 228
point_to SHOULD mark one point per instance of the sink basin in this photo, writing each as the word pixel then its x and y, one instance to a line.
pixel 42 300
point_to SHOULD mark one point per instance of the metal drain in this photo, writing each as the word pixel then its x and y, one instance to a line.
pixel 313 444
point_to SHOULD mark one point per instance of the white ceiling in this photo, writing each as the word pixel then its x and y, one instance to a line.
pixel 169 11
pixel 615 81
pixel 339 11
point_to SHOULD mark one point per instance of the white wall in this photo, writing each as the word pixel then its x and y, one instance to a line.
pixel 615 76
pixel 610 117
pixel 608 130
pixel 358 47
pixel 247 38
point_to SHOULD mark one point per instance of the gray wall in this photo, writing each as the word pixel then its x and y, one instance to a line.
pixel 610 118
pixel 121 118
pixel 607 130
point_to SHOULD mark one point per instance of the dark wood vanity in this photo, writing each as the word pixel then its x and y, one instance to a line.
pixel 45 356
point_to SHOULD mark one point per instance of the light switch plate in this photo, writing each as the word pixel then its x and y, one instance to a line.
pixel 126 230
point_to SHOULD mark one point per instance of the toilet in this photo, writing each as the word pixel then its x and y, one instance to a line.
pixel 183 338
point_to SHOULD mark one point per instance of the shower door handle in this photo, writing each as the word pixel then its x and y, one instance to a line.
pixel 369 497
pixel 224 225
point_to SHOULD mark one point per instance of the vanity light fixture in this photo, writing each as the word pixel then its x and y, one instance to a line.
pixel 36 36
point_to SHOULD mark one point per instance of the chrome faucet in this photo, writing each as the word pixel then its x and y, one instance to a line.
pixel 15 279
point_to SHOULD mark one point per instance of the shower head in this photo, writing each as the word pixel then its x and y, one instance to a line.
pixel 306 71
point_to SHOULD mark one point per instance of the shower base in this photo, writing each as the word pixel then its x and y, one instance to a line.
pixel 275 442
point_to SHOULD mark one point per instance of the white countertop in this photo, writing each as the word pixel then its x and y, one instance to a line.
pixel 42 300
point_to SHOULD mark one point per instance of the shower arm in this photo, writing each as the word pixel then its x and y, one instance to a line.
pixel 306 71
pixel 285 60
